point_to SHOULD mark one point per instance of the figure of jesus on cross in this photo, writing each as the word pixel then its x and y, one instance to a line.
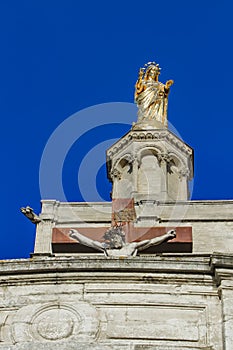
pixel 115 245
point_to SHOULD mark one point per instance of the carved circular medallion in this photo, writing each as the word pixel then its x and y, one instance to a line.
pixel 55 323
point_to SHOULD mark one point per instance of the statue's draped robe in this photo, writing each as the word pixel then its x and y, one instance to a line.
pixel 152 102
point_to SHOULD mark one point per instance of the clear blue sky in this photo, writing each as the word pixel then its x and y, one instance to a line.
pixel 58 57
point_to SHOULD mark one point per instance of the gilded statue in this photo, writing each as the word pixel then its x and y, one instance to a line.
pixel 151 95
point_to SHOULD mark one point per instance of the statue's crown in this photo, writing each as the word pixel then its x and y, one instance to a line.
pixel 150 65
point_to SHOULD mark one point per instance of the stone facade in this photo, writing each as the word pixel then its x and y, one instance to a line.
pixel 181 301
pixel 152 302
pixel 166 301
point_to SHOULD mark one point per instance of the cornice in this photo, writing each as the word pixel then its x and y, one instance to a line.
pixel 44 269
pixel 149 135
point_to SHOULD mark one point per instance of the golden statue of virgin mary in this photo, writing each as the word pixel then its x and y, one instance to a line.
pixel 151 95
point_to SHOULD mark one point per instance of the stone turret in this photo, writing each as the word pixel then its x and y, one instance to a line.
pixel 150 164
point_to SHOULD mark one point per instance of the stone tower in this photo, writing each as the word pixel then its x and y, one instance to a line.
pixel 150 164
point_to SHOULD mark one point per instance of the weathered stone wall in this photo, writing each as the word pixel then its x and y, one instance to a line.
pixel 155 302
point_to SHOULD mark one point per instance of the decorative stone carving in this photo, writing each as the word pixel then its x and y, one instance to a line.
pixel 125 215
pixel 184 172
pixel 115 173
pixel 54 323
pixel 29 213
pixel 142 135
pixel 163 158
pixel 116 245
pixel 47 322
pixel 129 158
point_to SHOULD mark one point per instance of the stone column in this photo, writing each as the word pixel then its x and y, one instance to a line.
pixel 183 186
pixel 44 228
pixel 135 165
pixel 115 176
pixel 163 159
pixel 224 276
pixel 226 295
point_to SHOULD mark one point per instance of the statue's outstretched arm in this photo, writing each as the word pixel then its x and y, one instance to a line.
pixel 74 234
pixel 156 241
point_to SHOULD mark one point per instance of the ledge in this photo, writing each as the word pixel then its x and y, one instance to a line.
pixel 173 264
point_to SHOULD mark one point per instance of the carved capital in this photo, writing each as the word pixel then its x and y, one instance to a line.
pixel 130 159
pixel 115 173
pixel 163 158
pixel 184 172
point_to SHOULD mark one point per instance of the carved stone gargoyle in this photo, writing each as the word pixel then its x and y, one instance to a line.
pixel 29 213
